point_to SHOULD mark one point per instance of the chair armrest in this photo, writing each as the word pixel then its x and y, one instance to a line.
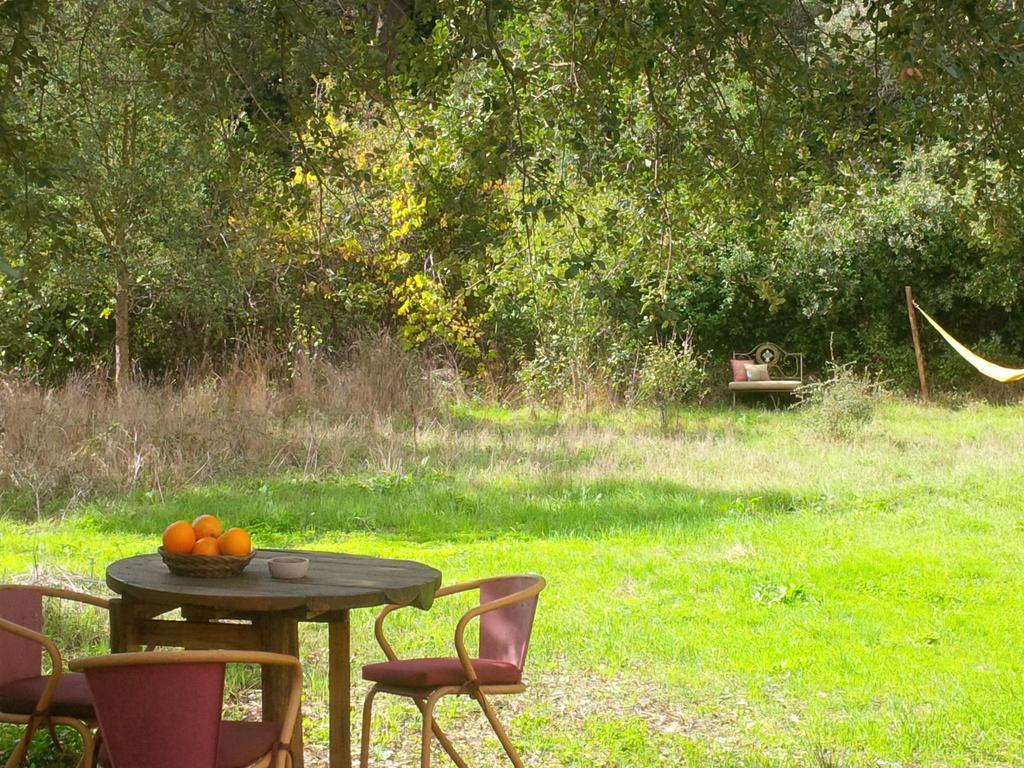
pixel 61 594
pixel 78 597
pixel 55 660
pixel 465 586
pixel 378 625
pixel 460 630
pixel 378 630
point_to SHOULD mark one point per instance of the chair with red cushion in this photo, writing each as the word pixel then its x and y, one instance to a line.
pixel 27 696
pixel 163 710
pixel 506 611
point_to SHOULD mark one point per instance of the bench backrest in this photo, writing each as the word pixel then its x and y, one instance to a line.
pixel 781 364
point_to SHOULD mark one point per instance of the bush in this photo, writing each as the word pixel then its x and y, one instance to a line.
pixel 842 405
pixel 670 374
pixel 563 373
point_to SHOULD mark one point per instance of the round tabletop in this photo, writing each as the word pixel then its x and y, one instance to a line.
pixel 335 582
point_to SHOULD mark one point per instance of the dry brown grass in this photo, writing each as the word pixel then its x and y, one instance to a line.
pixel 59 445
pixel 382 409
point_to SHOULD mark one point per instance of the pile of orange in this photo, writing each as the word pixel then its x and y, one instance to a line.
pixel 206 536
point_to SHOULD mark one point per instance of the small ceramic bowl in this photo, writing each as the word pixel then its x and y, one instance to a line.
pixel 288 567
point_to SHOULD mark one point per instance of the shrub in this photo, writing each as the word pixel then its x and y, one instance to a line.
pixel 562 374
pixel 670 374
pixel 842 405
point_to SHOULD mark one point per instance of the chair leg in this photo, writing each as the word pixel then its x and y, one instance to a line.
pixel 15 760
pixel 364 741
pixel 20 751
pixel 445 742
pixel 54 737
pixel 17 756
pixel 88 753
pixel 88 745
pixel 428 729
pixel 94 750
pixel 499 729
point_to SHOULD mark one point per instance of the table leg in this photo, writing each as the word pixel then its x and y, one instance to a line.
pixel 339 659
pixel 122 626
pixel 281 635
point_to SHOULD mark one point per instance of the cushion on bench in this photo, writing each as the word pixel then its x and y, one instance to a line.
pixel 739 369
pixel 757 372
pixel 782 385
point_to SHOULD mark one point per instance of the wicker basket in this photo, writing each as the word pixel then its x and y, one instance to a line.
pixel 206 566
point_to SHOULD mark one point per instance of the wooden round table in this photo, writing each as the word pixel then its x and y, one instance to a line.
pixel 270 611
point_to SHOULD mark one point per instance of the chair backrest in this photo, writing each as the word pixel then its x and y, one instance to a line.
pixel 20 658
pixel 157 715
pixel 505 632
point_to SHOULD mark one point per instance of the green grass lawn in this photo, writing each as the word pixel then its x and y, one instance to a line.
pixel 739 592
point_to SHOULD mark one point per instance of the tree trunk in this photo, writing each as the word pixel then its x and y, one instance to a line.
pixel 391 14
pixel 122 359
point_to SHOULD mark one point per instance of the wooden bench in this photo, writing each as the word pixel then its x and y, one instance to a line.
pixel 785 370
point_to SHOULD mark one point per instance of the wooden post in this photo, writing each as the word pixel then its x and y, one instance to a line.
pixel 917 344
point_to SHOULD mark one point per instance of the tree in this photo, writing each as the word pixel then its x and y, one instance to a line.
pixel 115 199
pixel 568 181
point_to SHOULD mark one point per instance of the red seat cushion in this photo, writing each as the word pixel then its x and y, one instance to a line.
pixel 433 673
pixel 239 743
pixel 72 698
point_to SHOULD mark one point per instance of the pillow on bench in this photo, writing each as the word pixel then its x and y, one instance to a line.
pixel 757 372
pixel 739 369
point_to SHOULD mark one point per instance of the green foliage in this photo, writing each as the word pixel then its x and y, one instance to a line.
pixel 537 191
pixel 670 374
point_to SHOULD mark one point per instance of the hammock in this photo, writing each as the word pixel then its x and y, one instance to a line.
pixel 993 371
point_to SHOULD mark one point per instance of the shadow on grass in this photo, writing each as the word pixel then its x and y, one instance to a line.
pixel 438 508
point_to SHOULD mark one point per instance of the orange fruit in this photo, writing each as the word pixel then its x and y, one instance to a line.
pixel 207 525
pixel 206 546
pixel 179 538
pixel 235 541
